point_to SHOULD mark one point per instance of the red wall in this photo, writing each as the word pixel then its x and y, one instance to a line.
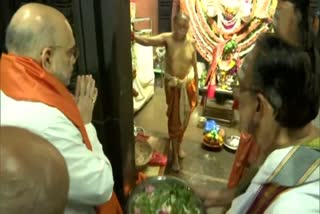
pixel 148 8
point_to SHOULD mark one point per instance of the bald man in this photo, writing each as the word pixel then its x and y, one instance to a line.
pixel 34 75
pixel 181 80
pixel 34 177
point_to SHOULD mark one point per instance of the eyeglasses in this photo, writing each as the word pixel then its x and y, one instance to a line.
pixel 72 52
pixel 237 90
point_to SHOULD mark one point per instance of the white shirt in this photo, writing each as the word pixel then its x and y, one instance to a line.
pixel 301 199
pixel 91 179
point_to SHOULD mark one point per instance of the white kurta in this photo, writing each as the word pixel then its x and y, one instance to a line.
pixel 91 179
pixel 301 199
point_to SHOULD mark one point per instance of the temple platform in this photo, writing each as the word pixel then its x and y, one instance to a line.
pixel 220 108
pixel 200 167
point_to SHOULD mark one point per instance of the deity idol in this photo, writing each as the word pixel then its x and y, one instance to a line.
pixel 215 23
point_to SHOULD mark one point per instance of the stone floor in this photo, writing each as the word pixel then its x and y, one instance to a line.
pixel 201 167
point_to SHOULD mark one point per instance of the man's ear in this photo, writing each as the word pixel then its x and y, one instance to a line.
pixel 259 113
pixel 46 59
pixel 263 105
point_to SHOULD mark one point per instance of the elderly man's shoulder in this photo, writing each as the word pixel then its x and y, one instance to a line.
pixel 302 199
pixel 290 200
pixel 276 157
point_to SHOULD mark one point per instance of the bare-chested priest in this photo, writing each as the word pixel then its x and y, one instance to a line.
pixel 181 79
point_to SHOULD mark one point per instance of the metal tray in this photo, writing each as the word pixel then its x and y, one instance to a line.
pixel 231 146
pixel 158 180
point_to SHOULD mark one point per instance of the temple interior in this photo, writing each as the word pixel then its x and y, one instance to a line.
pixel 224 32
pixel 130 115
pixel 200 167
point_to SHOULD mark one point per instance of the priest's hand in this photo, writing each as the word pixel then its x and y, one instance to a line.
pixel 215 198
pixel 86 95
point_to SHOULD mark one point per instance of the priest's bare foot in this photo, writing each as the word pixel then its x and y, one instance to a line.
pixel 182 154
pixel 175 166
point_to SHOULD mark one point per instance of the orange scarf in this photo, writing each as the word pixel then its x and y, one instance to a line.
pixel 23 79
pixel 247 154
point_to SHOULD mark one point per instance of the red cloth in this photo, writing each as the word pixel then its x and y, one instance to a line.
pixel 235 104
pixel 176 129
pixel 211 77
pixel 158 159
pixel 247 153
pixel 141 177
pixel 24 79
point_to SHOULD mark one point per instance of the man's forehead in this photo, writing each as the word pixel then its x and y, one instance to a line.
pixel 243 71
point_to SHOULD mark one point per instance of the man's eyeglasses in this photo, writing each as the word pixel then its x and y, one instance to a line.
pixel 74 51
pixel 237 90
